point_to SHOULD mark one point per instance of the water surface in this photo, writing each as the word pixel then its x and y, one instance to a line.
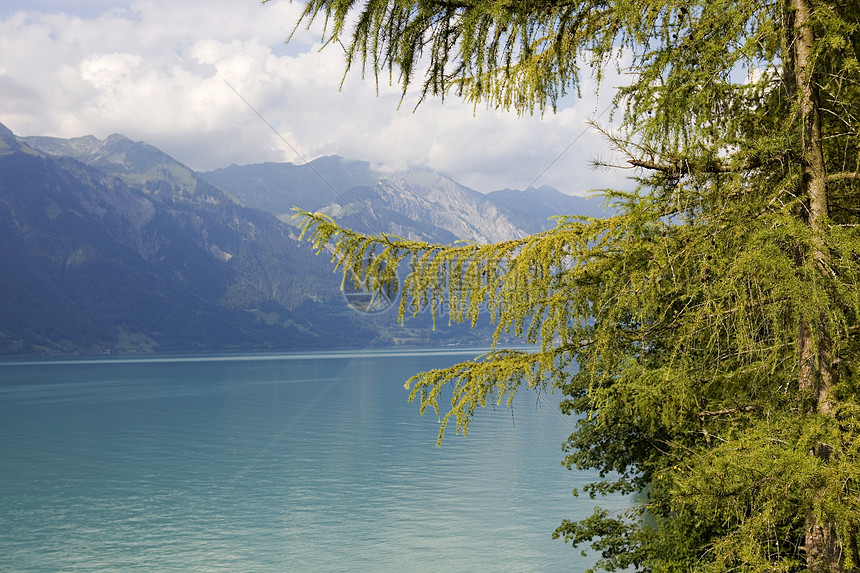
pixel 302 462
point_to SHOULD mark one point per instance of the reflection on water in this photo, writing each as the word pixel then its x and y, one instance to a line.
pixel 245 463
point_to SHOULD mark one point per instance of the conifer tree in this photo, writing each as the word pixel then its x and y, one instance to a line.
pixel 706 334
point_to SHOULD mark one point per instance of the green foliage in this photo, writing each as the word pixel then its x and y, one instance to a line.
pixel 714 317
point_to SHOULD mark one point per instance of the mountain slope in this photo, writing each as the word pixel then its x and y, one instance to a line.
pixel 94 264
pixel 430 207
pixel 266 261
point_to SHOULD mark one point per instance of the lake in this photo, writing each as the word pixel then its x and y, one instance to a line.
pixel 290 462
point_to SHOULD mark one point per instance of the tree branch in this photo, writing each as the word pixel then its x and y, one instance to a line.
pixel 669 169
pixel 709 413
pixel 686 168
pixel 844 175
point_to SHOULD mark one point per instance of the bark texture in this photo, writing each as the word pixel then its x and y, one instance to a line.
pixel 816 374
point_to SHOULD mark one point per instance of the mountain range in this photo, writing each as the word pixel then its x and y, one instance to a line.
pixel 418 203
pixel 113 246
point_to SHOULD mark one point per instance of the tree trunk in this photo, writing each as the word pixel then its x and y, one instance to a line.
pixel 816 374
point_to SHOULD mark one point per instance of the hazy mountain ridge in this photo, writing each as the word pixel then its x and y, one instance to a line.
pixel 417 203
pixel 533 208
pixel 278 187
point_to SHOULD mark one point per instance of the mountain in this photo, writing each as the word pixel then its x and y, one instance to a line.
pixel 113 246
pixel 137 164
pixel 139 253
pixel 416 204
pixel 423 206
pixel 278 187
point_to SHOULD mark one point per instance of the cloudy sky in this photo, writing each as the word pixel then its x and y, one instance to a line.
pixel 160 71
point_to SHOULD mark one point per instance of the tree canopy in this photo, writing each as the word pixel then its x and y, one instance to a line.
pixel 706 334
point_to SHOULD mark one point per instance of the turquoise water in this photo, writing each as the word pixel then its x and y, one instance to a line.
pixel 311 462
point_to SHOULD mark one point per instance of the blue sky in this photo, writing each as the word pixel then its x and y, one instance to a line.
pixel 158 71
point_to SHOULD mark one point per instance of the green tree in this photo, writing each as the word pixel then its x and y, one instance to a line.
pixel 706 334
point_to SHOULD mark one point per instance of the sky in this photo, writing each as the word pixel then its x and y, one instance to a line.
pixel 214 84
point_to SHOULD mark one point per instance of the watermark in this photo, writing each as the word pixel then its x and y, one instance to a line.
pixel 370 302
pixel 439 299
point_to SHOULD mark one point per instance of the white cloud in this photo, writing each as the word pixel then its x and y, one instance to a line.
pixel 158 71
